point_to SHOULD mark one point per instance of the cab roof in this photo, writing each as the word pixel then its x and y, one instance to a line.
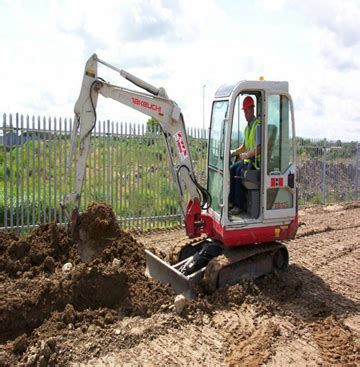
pixel 226 90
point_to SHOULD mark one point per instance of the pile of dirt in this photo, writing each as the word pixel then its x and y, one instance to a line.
pixel 340 178
pixel 106 312
pixel 45 283
pixel 43 249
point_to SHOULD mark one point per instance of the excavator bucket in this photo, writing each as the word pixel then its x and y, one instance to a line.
pixel 90 248
pixel 93 230
pixel 170 274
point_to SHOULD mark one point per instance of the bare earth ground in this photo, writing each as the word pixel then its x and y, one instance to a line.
pixel 107 313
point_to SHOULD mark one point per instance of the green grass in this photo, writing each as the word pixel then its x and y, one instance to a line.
pixel 132 174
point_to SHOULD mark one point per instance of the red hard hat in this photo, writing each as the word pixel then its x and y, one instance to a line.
pixel 248 102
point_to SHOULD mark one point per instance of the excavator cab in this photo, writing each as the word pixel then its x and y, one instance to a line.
pixel 269 185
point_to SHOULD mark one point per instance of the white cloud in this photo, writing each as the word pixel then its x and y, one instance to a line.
pixel 326 78
pixel 183 45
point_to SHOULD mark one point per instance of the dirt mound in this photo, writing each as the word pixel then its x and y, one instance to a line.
pixel 43 249
pixel 106 312
pixel 45 283
pixel 5 238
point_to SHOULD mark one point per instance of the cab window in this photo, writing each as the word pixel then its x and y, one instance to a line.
pixel 216 152
pixel 280 152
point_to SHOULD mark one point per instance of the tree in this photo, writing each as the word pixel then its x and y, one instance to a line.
pixel 152 125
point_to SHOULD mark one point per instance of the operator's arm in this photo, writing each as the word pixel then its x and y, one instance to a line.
pixel 251 154
pixel 238 151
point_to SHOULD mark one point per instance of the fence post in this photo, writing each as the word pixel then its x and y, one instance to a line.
pixel 16 173
pixel 324 173
pixel 108 137
pixel 357 168
pixel 5 172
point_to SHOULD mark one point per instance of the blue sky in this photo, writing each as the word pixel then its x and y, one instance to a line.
pixel 183 45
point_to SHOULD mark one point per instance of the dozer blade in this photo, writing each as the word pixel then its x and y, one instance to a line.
pixel 167 274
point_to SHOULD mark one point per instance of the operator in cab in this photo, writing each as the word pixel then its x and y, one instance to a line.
pixel 248 155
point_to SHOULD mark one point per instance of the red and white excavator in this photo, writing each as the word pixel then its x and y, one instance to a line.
pixel 246 245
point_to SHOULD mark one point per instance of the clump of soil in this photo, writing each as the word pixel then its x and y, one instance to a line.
pixel 5 238
pixel 39 290
pixel 99 221
pixel 97 228
pixel 42 249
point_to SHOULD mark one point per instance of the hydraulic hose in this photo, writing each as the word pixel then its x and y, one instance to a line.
pixel 205 196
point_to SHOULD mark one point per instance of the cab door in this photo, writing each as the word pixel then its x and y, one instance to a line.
pixel 280 163
pixel 216 158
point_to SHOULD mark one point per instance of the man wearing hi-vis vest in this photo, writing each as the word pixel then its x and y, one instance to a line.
pixel 248 153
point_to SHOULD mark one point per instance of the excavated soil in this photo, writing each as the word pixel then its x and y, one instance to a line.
pixel 96 230
pixel 106 312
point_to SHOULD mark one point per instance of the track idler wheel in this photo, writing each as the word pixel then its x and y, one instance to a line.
pixel 281 259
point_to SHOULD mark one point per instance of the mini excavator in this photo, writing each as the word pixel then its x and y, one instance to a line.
pixel 232 247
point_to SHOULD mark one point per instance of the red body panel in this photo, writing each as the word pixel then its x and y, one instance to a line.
pixel 199 222
pixel 247 236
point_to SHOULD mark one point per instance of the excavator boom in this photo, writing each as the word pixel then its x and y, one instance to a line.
pixel 154 104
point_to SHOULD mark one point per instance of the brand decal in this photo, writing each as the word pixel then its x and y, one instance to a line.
pixel 146 104
pixel 181 145
pixel 280 205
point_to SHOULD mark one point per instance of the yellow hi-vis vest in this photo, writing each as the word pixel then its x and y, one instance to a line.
pixel 250 141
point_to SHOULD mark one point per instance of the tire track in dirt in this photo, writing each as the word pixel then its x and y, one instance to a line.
pixel 315 231
pixel 248 332
pixel 336 342
pixel 252 350
pixel 236 319
pixel 322 219
pixel 343 275
pixel 220 339
pixel 329 247
pixel 186 344
pixel 325 341
pixel 297 352
pixel 295 346
pixel 241 335
pixel 319 249
pixel 334 258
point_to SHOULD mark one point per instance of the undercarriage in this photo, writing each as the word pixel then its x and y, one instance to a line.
pixel 210 265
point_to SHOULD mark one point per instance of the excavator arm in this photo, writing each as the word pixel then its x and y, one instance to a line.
pixel 155 104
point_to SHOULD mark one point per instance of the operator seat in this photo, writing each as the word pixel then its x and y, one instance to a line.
pixel 251 178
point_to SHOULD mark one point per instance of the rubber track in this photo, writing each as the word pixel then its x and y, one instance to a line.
pixel 232 256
